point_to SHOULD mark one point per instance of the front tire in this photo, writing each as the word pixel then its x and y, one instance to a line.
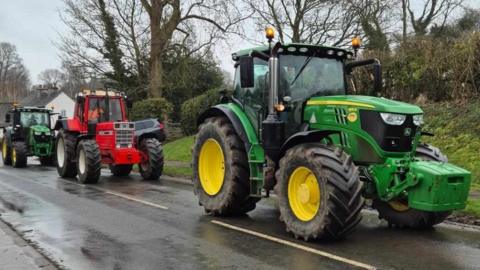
pixel 220 169
pixel 65 154
pixel 121 170
pixel 6 155
pixel 19 154
pixel 398 213
pixel 89 162
pixel 319 192
pixel 152 168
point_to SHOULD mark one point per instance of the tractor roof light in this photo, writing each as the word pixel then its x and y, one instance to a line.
pixel 356 42
pixel 269 33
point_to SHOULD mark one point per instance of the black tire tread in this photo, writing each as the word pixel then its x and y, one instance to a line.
pixel 236 199
pixel 8 160
pixel 344 197
pixel 93 162
pixel 155 156
pixel 70 168
pixel 21 150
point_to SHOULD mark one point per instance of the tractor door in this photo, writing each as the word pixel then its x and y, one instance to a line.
pixel 254 99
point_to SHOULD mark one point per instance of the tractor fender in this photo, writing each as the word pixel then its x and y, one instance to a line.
pixel 72 125
pixel 310 136
pixel 221 110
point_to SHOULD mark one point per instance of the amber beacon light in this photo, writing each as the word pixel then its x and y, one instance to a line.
pixel 269 33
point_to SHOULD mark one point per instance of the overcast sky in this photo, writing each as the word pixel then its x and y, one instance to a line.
pixel 33 26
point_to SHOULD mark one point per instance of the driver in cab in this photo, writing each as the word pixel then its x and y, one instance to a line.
pixel 94 113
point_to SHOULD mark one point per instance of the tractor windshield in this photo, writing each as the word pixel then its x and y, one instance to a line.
pixel 28 119
pixel 98 111
pixel 303 76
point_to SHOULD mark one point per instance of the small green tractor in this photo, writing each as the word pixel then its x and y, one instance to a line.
pixel 295 126
pixel 28 134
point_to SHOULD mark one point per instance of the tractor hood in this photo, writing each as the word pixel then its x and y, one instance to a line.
pixel 40 128
pixel 367 103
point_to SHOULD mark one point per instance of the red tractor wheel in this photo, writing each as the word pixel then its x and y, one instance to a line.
pixel 65 154
pixel 151 168
pixel 89 162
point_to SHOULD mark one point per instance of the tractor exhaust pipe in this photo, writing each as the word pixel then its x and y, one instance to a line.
pixel 273 128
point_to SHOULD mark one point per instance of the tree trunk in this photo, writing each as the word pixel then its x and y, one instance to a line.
pixel 156 77
pixel 404 20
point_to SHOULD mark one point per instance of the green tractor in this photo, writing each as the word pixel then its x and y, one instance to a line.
pixel 293 125
pixel 28 134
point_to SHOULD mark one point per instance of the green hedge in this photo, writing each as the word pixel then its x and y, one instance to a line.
pixel 158 108
pixel 193 107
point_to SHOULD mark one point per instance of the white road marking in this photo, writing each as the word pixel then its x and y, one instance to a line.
pixel 121 195
pixel 295 245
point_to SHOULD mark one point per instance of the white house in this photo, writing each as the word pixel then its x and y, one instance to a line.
pixel 53 99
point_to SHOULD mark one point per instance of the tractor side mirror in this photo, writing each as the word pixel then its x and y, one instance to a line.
pixel 80 99
pixel 7 118
pixel 129 102
pixel 246 72
pixel 377 76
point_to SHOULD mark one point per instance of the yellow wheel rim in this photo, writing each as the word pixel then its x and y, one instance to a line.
pixel 211 167
pixel 14 156
pixel 303 193
pixel 4 149
pixel 399 205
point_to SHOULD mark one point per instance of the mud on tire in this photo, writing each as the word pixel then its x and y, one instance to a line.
pixel 89 162
pixel 413 218
pixel 233 197
pixel 65 161
pixel 340 191
pixel 152 169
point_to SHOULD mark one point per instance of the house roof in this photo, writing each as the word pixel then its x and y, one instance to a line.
pixel 39 98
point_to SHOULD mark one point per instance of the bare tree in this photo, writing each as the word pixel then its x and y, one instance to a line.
pixel 178 22
pixel 14 77
pixel 376 19
pixel 51 77
pixel 308 21
pixel 431 11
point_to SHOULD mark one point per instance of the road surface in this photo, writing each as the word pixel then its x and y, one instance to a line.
pixel 127 223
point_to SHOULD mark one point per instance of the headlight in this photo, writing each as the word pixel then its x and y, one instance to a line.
pixel 393 118
pixel 418 119
pixel 37 132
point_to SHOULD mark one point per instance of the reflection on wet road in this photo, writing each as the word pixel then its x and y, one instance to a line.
pixel 126 223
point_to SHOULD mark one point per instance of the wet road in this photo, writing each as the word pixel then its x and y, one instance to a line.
pixel 126 223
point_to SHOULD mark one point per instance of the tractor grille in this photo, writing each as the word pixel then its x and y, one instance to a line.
pixel 389 138
pixel 44 138
pixel 124 133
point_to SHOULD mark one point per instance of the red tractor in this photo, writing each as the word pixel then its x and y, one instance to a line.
pixel 99 133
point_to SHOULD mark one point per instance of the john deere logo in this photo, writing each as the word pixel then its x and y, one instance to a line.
pixel 407 132
pixel 352 117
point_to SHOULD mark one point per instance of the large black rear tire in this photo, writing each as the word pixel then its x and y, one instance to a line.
pixel 89 162
pixel 121 170
pixel 231 195
pixel 6 154
pixel 151 169
pixel 319 192
pixel 65 154
pixel 19 154
pixel 397 212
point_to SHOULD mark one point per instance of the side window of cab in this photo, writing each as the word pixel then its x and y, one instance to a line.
pixel 253 98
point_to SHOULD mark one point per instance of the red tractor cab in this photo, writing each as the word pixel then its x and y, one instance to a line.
pixel 100 133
